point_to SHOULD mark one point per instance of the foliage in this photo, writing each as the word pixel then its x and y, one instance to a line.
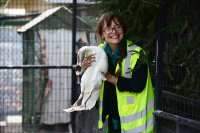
pixel 139 16
pixel 183 48
pixel 181 30
pixel 2 2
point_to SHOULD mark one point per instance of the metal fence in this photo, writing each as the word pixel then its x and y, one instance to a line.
pixel 37 54
pixel 177 80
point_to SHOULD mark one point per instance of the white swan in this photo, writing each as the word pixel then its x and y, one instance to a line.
pixel 92 78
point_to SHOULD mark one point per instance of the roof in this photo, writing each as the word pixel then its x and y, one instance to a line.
pixel 71 1
pixel 59 17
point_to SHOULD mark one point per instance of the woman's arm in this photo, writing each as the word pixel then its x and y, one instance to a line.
pixel 136 83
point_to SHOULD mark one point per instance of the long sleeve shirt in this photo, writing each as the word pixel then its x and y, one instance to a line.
pixel 137 82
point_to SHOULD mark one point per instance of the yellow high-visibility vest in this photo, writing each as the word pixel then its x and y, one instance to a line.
pixel 135 109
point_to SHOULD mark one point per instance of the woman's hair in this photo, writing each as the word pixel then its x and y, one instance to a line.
pixel 108 18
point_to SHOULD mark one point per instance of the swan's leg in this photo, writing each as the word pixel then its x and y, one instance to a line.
pixel 79 100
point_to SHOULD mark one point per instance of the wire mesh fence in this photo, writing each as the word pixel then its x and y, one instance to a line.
pixel 179 110
pixel 180 95
pixel 36 59
pixel 32 98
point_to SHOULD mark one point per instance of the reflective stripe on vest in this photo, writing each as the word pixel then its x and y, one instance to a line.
pixel 100 108
pixel 138 115
pixel 127 68
pixel 141 128
pixel 100 122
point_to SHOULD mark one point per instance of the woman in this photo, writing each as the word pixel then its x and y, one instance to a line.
pixel 126 98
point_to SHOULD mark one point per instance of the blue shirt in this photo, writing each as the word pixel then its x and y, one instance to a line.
pixel 113 55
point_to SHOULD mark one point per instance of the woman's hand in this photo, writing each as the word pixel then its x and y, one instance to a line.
pixel 87 61
pixel 111 78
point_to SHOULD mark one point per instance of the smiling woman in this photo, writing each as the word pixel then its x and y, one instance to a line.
pixel 127 92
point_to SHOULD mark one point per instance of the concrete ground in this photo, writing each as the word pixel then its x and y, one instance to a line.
pixel 11 128
pixel 85 122
pixel 12 124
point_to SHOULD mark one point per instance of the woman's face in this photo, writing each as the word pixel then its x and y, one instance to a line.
pixel 114 33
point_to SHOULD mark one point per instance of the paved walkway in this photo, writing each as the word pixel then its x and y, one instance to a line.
pixel 11 128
